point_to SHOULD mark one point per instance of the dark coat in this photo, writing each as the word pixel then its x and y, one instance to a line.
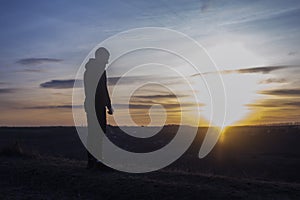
pixel 101 97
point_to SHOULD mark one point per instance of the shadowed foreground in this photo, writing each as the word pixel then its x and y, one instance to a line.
pixel 59 178
pixel 247 163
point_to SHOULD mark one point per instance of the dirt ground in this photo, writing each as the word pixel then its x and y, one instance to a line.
pixel 58 178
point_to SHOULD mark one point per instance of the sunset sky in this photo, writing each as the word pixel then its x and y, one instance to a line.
pixel 255 44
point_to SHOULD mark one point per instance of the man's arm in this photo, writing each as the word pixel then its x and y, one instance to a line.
pixel 108 101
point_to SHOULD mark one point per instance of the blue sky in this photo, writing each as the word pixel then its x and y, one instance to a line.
pixel 43 41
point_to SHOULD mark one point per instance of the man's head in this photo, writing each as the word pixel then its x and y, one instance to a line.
pixel 102 55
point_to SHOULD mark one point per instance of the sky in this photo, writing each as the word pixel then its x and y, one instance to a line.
pixel 255 45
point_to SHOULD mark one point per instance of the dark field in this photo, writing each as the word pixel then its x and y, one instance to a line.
pixel 247 163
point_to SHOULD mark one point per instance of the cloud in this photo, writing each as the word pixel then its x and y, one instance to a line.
pixel 282 92
pixel 37 61
pixel 265 105
pixel 147 106
pixel 32 70
pixel 159 96
pixel 295 103
pixel 69 83
pixel 60 84
pixel 258 16
pixel 7 90
pixel 263 70
pixel 273 80
pixel 292 53
pixel 205 5
pixel 167 100
pixel 277 103
pixel 140 79
pixel 126 79
pixel 67 106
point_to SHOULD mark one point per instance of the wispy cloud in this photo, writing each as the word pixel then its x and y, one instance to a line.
pixel 137 79
pixel 262 70
pixel 7 90
pixel 273 80
pixel 296 103
pixel 205 5
pixel 67 106
pixel 69 83
pixel 147 106
pixel 159 96
pixel 282 92
pixel 60 84
pixel 31 70
pixel 127 79
pixel 292 53
pixel 37 61
pixel 277 103
pixel 262 15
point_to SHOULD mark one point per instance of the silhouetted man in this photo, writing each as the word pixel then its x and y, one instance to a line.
pixel 98 100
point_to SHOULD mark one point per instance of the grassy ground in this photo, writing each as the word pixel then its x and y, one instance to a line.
pixel 23 177
pixel 249 163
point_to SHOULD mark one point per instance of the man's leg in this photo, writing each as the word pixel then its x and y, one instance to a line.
pixel 90 127
pixel 101 119
pixel 101 115
pixel 94 138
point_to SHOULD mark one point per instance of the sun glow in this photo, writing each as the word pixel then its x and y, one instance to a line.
pixel 241 88
pixel 234 55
